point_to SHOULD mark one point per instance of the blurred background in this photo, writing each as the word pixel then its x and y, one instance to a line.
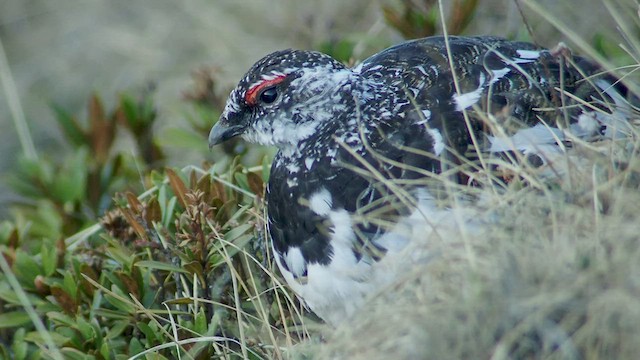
pixel 64 51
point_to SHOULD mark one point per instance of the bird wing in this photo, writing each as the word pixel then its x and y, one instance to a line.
pixel 497 97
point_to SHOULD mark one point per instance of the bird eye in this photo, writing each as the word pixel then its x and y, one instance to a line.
pixel 269 95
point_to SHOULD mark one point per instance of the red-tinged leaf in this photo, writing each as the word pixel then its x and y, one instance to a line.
pixel 180 301
pixel 66 301
pixel 195 267
pixel 178 187
pixel 61 251
pixel 255 184
pixel 130 284
pixel 134 223
pixel 101 130
pixel 218 191
pixel 193 180
pixel 14 239
pixel 9 256
pixel 134 203
pixel 41 286
pixel 225 211
pixel 96 110
pixel 153 212
pixel 86 286
pixel 204 185
pixel 216 203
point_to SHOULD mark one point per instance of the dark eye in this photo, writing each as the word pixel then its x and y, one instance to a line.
pixel 269 95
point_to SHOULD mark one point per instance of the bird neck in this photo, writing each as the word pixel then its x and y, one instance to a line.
pixel 340 107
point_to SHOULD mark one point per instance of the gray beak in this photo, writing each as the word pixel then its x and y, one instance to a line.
pixel 222 132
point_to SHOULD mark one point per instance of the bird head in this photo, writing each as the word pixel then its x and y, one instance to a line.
pixel 280 99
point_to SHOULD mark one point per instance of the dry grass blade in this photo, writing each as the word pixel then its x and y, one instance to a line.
pixel 17 113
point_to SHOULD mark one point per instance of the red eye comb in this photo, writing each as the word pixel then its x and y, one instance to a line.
pixel 251 97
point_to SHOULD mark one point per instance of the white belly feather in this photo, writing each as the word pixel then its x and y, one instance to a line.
pixel 336 290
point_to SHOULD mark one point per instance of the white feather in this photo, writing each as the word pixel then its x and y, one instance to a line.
pixel 320 202
pixel 528 54
pixel 308 163
pixel 466 100
pixel 438 142
pixel 526 139
pixel 295 261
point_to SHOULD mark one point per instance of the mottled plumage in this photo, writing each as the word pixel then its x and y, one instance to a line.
pixel 398 115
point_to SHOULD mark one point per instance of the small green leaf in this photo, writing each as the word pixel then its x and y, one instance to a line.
pixel 113 314
pixel 135 347
pixel 240 242
pixel 236 215
pixel 49 258
pixel 200 323
pixel 61 318
pixel 149 333
pixel 8 295
pixel 242 180
pixel 117 328
pixel 121 256
pixel 70 284
pixel 14 319
pixel 266 168
pixel 75 354
pixel 9 234
pixel 69 125
pixel 26 269
pixel 119 302
pixel 86 330
pixel 234 233
pixel 46 221
pixel 36 338
pixel 19 346
pixel 105 350
pixel 130 110
pixel 168 214
pixel 159 265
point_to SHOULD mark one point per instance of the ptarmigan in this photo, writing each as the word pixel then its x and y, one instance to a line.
pixel 359 147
